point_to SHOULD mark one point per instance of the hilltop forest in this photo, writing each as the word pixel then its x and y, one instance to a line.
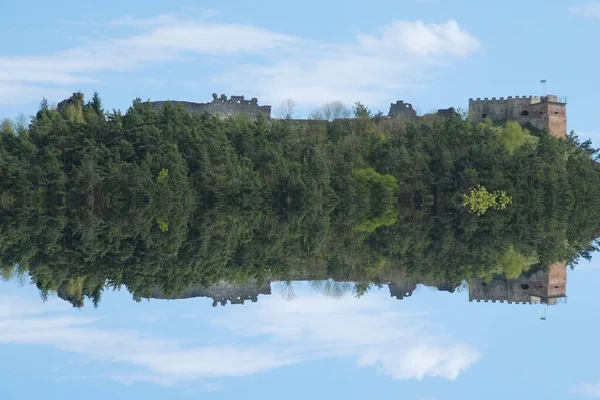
pixel 92 200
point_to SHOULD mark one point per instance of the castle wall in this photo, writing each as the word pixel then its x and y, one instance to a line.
pixel 402 110
pixel 223 292
pixel 539 112
pixel 557 119
pixel 541 285
pixel 401 290
pixel 222 107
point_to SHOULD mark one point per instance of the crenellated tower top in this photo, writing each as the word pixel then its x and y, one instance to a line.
pixel 541 112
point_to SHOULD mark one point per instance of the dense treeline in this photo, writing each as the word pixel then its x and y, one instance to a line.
pixel 167 199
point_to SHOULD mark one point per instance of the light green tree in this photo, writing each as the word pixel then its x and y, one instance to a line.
pixel 513 136
pixel 163 175
pixel 479 200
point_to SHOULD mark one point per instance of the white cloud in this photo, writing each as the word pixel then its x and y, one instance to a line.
pixel 589 10
pixel 400 55
pixel 16 93
pixel 587 389
pixel 271 334
pixel 401 345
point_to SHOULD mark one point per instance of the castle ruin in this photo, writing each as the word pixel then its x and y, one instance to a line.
pixel 222 107
pixel 540 287
pixel 237 106
pixel 223 292
pixel 540 112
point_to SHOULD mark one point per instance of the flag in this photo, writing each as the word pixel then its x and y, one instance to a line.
pixel 543 318
pixel 543 81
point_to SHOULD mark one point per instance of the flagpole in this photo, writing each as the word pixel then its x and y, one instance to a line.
pixel 545 87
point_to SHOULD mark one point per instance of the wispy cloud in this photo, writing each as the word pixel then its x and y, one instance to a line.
pixel 588 10
pixel 400 345
pixel 587 389
pixel 271 334
pixel 400 55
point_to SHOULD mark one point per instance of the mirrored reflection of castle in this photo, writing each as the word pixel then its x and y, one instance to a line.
pixel 224 292
pixel 545 287
pixel 539 286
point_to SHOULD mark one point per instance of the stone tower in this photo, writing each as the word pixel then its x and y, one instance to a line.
pixel 542 286
pixel 540 112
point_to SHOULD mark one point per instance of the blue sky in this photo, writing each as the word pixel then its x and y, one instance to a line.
pixel 433 345
pixel 432 53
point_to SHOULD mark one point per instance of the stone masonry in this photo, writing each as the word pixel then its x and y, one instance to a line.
pixel 540 112
pixel 541 286
pixel 224 292
pixel 222 107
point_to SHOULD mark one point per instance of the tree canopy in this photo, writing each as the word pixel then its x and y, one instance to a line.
pixel 91 199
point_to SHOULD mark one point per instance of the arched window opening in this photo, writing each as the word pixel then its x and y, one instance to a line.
pixel 525 287
pixel 524 113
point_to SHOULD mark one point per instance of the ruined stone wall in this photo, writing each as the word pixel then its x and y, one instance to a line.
pixel 401 290
pixel 222 107
pixel 223 292
pixel 403 110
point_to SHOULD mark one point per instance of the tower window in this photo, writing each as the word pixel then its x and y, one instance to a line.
pixel 525 287
pixel 524 113
pixel 483 115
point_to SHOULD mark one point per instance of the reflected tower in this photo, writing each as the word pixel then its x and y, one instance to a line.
pixel 539 287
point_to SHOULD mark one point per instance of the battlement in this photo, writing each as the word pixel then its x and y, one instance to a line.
pixel 540 286
pixel 507 301
pixel 234 300
pixel 233 100
pixel 540 112
pixel 530 99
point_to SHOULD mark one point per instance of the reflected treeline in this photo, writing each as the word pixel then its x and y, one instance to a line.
pixel 170 204
pixel 535 286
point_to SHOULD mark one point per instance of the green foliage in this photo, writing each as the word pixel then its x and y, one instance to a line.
pixel 361 111
pixel 166 200
pixel 479 200
pixel 163 175
pixel 163 225
pixel 513 264
pixel 513 136
pixel 376 196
